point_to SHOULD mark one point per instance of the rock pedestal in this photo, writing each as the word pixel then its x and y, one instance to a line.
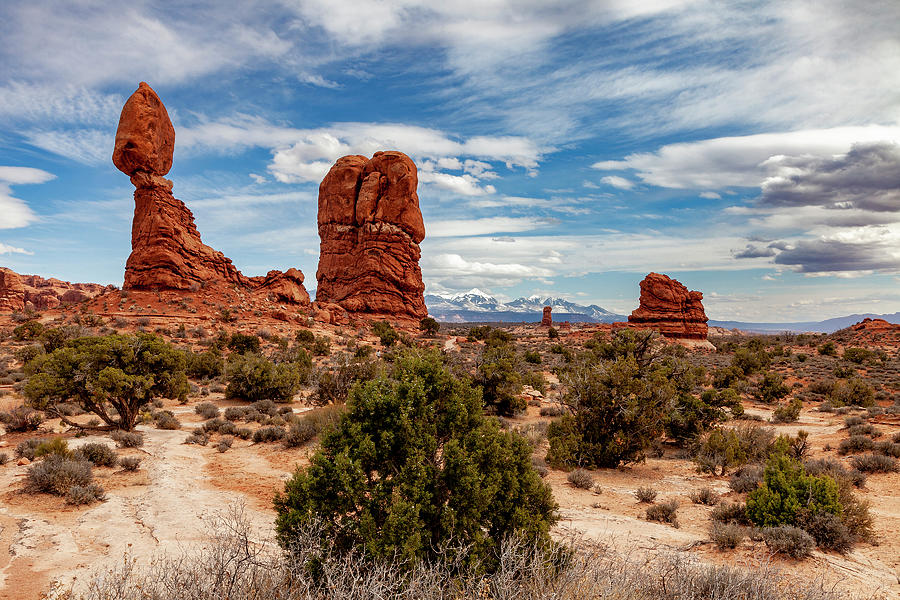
pixel 547 319
pixel 669 307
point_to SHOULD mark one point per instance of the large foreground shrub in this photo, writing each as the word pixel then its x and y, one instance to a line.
pixel 414 465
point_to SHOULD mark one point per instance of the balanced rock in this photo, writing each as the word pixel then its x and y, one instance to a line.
pixel 547 318
pixel 12 292
pixel 166 249
pixel 370 227
pixel 669 307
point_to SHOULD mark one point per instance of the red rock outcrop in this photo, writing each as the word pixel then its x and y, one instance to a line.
pixel 12 292
pixel 547 318
pixel 669 307
pixel 875 326
pixel 370 227
pixel 166 249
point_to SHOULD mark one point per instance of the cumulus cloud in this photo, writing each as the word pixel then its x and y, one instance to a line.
pixel 754 251
pixel 7 249
pixel 14 212
pixel 452 271
pixel 867 177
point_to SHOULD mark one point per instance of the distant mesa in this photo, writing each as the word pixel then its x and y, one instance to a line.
pixel 18 292
pixel 547 319
pixel 668 306
pixel 370 227
pixel 166 250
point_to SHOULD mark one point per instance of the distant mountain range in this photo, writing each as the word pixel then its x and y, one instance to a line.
pixel 478 306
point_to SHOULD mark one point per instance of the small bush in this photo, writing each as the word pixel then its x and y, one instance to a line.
pixel 207 410
pixel 856 443
pixel 888 448
pixel 746 479
pixel 875 463
pixel 553 410
pixel 864 429
pixel 85 494
pixel 268 434
pixel 828 349
pixel 128 439
pixel 705 495
pixel 21 418
pixel 236 413
pixel 4 458
pixel 219 425
pixel 581 479
pixel 26 449
pixel 853 420
pixel 828 531
pixel 225 443
pixel 532 357
pixel 199 437
pixel 130 463
pixel 730 512
pixel 100 455
pixel 664 512
pixel 245 433
pixel 56 474
pixel 167 420
pixel 645 494
pixel 299 434
pixel 56 446
pixel 852 392
pixel 243 343
pixel 789 541
pixel 726 536
pixel 835 470
pixel 788 412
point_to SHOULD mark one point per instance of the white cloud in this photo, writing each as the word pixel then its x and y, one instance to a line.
pixel 7 249
pixel 617 182
pixel 738 161
pixel 711 195
pixel 88 146
pixel 14 212
pixel 470 227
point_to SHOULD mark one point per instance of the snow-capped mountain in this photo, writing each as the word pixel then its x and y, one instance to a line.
pixel 476 305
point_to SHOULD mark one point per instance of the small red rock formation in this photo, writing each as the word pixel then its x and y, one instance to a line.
pixel 12 292
pixel 875 325
pixel 18 292
pixel 370 227
pixel 668 306
pixel 547 319
pixel 166 250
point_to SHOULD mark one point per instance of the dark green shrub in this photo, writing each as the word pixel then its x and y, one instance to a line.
pixel 851 392
pixel 385 333
pixel 205 365
pixel 243 343
pixel 454 475
pixel 333 384
pixel 253 377
pixel 305 338
pixel 29 330
pixel 322 346
pixel 859 355
pixel 581 479
pixel 553 333
pixel 828 349
pixel 100 455
pixel 429 326
pixel 56 474
pixel 751 361
pixel 771 388
pixel 664 512
pixel 787 490
pixel 725 448
pixel 499 375
pixel 532 357
pixel 55 446
pixel 789 541
pixel 112 376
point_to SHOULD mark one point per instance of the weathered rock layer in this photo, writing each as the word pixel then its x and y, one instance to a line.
pixel 166 249
pixel 669 307
pixel 18 292
pixel 12 292
pixel 370 227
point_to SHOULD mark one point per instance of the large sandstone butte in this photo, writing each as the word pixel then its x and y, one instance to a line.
pixel 668 306
pixel 166 250
pixel 370 227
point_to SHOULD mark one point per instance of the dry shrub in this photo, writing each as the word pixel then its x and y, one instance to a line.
pixel 705 495
pixel 875 463
pixel 207 410
pixel 746 479
pixel 645 494
pixel 100 455
pixel 128 439
pixel 85 494
pixel 56 474
pixel 726 536
pixel 237 565
pixel 581 479
pixel 130 463
pixel 788 540
pixel 664 512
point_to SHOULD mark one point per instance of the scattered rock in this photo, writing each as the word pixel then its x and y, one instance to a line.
pixel 669 307
pixel 23 461
pixel 370 227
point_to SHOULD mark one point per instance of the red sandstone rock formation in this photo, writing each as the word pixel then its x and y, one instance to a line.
pixel 875 325
pixel 668 306
pixel 12 292
pixel 547 319
pixel 370 227
pixel 166 250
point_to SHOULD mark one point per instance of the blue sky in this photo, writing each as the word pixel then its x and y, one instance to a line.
pixel 751 150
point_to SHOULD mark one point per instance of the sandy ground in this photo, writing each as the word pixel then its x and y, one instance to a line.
pixel 167 504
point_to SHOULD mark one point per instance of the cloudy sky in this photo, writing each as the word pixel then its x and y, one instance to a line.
pixel 749 149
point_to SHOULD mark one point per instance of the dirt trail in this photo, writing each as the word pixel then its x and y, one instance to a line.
pixel 167 514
